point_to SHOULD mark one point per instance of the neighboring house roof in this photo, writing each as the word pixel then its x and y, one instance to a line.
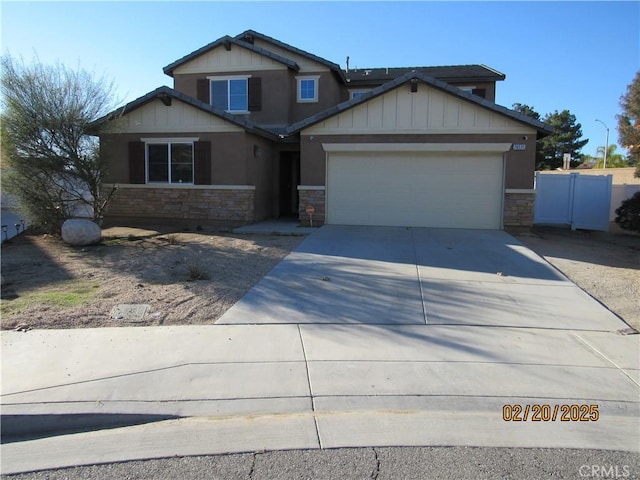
pixel 227 41
pixel 541 127
pixel 248 35
pixel 165 94
pixel 451 73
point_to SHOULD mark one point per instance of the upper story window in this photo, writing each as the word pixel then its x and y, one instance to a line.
pixel 358 93
pixel 235 94
pixel 230 93
pixel 308 89
pixel 481 92
pixel 169 162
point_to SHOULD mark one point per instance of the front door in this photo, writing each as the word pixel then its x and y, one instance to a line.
pixel 289 181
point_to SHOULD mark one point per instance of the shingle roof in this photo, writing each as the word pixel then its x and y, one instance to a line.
pixel 280 133
pixel 164 92
pixel 408 77
pixel 354 77
pixel 230 40
pixel 247 34
pixel 450 73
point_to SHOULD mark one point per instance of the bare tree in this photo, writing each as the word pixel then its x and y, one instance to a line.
pixel 50 161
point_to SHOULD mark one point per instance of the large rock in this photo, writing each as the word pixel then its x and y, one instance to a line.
pixel 79 232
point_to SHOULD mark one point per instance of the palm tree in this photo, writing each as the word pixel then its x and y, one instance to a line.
pixel 614 160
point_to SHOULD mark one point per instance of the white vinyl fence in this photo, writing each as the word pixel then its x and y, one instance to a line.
pixel 581 201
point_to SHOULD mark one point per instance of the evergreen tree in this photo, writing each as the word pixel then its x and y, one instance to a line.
pixel 566 138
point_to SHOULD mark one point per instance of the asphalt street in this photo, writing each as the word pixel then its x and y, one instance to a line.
pixel 367 463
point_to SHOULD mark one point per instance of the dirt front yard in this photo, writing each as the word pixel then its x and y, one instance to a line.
pixel 185 278
pixel 193 278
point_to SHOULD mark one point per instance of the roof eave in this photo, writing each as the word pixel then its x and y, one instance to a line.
pixel 332 66
pixel 205 107
pixel 541 128
pixel 169 69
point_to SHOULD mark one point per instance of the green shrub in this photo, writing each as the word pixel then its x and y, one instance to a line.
pixel 628 214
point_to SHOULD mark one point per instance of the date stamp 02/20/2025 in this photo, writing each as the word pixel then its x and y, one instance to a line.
pixel 550 413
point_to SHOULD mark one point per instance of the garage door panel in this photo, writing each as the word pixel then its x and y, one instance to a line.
pixel 415 189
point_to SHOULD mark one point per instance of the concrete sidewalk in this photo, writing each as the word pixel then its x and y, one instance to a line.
pixel 169 391
pixel 295 380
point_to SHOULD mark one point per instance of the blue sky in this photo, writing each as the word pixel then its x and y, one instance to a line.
pixel 556 55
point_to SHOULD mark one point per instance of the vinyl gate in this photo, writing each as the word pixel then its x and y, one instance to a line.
pixel 581 201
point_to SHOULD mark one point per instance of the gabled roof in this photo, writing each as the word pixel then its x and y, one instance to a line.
pixel 165 94
pixel 541 127
pixel 227 41
pixel 450 73
pixel 249 35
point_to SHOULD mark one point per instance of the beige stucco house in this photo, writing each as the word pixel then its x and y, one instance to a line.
pixel 254 128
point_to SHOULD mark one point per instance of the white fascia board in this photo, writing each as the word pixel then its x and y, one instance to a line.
pixel 169 139
pixel 417 147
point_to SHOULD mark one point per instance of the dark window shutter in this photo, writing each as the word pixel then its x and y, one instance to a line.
pixel 481 92
pixel 202 163
pixel 136 162
pixel 203 90
pixel 255 94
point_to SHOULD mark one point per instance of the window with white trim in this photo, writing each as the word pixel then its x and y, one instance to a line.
pixel 230 93
pixel 308 89
pixel 169 162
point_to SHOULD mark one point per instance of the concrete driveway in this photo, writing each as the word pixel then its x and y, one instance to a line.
pixel 418 276
pixel 361 337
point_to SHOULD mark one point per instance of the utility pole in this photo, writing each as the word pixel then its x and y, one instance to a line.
pixel 606 145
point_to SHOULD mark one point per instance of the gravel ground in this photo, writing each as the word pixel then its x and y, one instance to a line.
pixel 185 278
pixel 605 265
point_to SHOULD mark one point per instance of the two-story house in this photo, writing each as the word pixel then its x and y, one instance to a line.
pixel 254 128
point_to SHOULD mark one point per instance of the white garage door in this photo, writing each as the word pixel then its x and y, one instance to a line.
pixel 415 189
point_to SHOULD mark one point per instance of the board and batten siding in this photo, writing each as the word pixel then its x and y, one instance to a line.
pixel 428 109
pixel 306 64
pixel 179 117
pixel 238 59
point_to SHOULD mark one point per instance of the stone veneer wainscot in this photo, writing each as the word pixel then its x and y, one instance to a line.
pixel 217 203
pixel 315 196
pixel 518 207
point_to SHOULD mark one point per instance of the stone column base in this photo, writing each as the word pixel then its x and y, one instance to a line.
pixel 518 208
pixel 314 196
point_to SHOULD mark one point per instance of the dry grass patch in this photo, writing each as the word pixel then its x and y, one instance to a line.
pixel 58 296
